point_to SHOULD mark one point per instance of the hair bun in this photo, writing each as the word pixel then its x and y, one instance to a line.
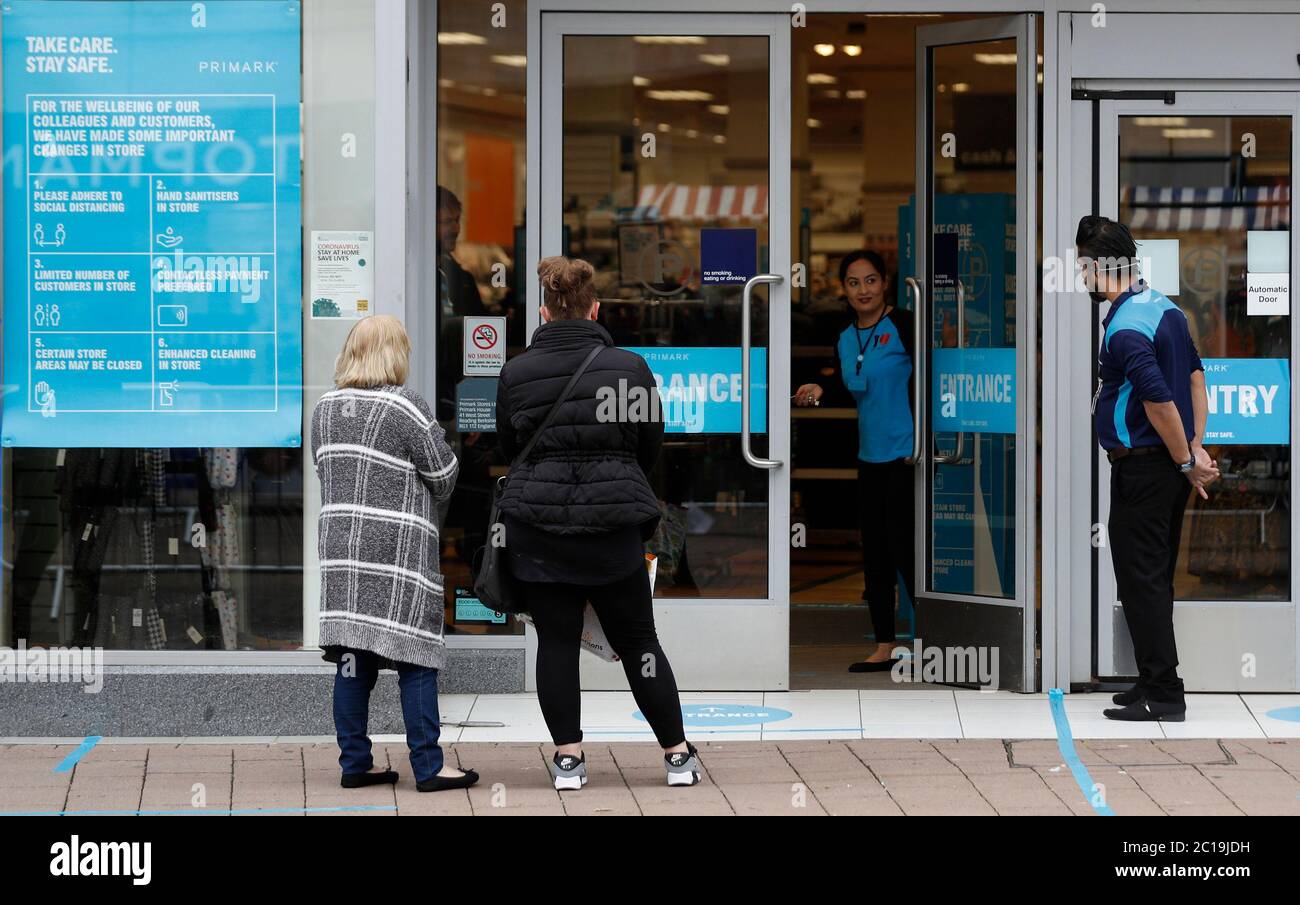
pixel 560 275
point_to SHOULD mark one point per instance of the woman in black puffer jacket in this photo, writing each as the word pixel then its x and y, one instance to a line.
pixel 576 514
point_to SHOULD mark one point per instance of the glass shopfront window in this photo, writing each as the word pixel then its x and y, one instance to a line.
pixel 1209 201
pixel 158 206
pixel 482 166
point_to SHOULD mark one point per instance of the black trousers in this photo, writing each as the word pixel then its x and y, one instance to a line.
pixel 1147 497
pixel 887 514
pixel 626 616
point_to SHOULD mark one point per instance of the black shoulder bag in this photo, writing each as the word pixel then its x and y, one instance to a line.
pixel 493 584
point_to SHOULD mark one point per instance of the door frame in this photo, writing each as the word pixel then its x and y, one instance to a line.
pixel 1200 618
pixel 755 655
pixel 1023 28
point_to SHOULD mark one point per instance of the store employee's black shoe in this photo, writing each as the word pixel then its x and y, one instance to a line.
pixel 1132 696
pixel 873 666
pixel 373 778
pixel 1148 711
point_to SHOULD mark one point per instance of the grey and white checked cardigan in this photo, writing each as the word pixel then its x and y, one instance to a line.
pixel 386 474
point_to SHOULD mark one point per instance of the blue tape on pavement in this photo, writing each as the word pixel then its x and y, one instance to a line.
pixel 82 750
pixel 203 812
pixel 1065 742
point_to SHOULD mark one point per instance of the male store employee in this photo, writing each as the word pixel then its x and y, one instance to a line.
pixel 1150 411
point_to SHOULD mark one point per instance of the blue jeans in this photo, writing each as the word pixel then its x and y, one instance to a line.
pixel 419 690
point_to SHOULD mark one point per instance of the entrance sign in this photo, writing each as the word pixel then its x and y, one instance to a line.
pixel 484 346
pixel 152 287
pixel 974 390
pixel 699 388
pixel 1249 401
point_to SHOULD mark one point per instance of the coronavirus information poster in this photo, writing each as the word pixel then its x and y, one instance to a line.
pixel 152 224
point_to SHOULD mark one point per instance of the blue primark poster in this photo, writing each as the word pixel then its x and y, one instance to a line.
pixel 152 286
pixel 700 388
pixel 1249 401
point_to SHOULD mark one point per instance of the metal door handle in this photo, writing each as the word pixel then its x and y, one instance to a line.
pixel 745 344
pixel 955 456
pixel 918 371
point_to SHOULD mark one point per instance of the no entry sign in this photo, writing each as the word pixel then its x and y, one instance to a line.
pixel 484 346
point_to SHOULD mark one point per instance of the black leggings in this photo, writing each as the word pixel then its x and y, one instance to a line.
pixel 625 614
pixel 886 507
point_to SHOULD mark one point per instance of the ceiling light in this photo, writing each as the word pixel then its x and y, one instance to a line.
pixel 664 127
pixel 1187 133
pixel 678 94
pixel 719 139
pixel 640 81
pixel 824 50
pixel 814 123
pixel 517 60
pixel 720 109
pixel 670 39
pixel 960 87
pixel 715 59
pixel 691 133
pixel 1160 120
pixel 821 78
pixel 856 94
pixel 831 92
pixel 460 37
pixel 996 59
pixel 851 50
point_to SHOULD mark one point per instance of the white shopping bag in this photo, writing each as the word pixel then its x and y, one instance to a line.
pixel 593 636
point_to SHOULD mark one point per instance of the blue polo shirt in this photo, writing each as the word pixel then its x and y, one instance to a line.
pixel 1147 355
pixel 880 388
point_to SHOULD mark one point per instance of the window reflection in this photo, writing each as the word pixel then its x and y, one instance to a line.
pixel 1215 186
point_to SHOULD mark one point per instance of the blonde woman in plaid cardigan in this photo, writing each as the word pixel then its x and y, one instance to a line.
pixel 386 474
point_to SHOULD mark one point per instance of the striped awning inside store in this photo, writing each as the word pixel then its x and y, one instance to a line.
pixel 1174 209
pixel 701 202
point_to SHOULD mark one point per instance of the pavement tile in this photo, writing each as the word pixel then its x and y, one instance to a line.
pixel 798 777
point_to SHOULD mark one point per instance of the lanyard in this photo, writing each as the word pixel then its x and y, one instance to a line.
pixel 862 346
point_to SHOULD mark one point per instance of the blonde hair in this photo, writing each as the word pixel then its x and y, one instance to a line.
pixel 567 288
pixel 376 353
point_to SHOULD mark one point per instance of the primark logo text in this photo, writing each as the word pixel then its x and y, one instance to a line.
pixel 103 859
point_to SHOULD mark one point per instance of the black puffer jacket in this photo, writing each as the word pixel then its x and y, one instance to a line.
pixel 583 476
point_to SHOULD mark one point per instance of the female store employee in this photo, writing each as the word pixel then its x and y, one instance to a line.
pixel 875 362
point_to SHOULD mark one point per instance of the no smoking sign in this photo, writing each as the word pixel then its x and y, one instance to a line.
pixel 484 346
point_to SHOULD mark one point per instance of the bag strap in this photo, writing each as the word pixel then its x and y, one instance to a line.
pixel 555 408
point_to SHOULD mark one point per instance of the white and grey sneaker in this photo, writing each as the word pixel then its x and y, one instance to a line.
pixel 683 767
pixel 569 772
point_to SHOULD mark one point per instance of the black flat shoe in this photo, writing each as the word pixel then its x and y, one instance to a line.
pixel 1148 711
pixel 374 778
pixel 869 666
pixel 443 783
pixel 1132 696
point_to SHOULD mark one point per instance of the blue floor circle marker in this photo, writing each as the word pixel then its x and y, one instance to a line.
pixel 1290 714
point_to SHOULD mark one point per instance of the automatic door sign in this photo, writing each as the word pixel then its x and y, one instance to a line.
pixel 152 224
pixel 484 346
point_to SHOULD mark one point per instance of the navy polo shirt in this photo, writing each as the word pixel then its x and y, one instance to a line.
pixel 1147 355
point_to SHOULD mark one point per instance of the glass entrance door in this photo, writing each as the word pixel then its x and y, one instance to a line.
pixel 973 280
pixel 1205 185
pixel 665 162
